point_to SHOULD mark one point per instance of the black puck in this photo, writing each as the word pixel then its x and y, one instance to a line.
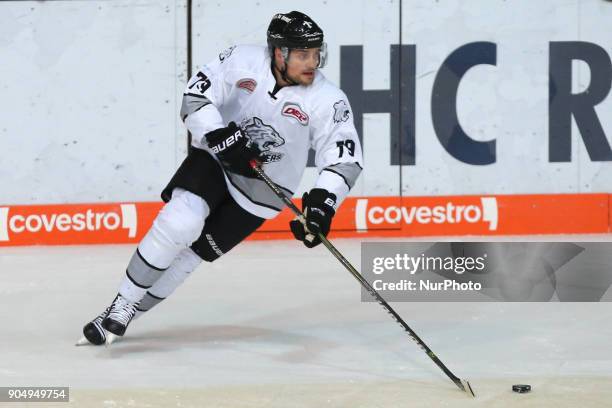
pixel 521 388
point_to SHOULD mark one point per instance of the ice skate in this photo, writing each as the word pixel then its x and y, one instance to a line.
pixel 93 332
pixel 120 315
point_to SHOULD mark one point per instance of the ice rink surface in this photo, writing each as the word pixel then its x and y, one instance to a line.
pixel 273 324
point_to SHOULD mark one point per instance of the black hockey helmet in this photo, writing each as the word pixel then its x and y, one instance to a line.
pixel 295 30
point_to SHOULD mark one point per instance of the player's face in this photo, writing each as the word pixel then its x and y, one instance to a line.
pixel 302 64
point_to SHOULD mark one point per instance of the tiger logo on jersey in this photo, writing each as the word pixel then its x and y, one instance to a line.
pixel 265 137
pixel 341 111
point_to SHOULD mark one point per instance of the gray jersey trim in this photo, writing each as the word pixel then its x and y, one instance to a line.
pixel 258 192
pixel 348 171
pixel 192 103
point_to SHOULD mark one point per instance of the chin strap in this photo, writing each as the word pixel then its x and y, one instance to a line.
pixel 283 72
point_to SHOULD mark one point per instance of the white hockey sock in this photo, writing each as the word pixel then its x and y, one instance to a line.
pixel 139 276
pixel 184 264
pixel 130 291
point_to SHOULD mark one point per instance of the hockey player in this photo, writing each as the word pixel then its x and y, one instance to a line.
pixel 268 103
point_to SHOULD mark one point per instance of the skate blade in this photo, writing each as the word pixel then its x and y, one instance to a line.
pixel 110 338
pixel 82 342
pixel 467 388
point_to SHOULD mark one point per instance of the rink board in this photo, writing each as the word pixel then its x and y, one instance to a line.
pixel 457 105
pixel 114 223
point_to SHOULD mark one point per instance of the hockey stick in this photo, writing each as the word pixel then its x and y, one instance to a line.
pixel 463 385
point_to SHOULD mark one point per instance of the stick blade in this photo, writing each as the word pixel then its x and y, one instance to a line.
pixel 467 388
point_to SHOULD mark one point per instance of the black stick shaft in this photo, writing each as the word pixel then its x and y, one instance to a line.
pixel 364 283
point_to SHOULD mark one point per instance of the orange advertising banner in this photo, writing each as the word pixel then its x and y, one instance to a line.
pixel 464 215
pixel 113 223
pixel 74 224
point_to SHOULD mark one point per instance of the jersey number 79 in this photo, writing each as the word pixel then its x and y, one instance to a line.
pixel 202 83
pixel 350 147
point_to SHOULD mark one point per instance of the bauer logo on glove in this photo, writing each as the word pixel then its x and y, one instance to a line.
pixel 234 149
pixel 318 208
pixel 226 143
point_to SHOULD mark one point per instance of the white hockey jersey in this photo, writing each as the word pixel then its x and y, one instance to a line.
pixel 238 86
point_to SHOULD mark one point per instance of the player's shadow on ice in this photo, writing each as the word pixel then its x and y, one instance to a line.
pixel 302 348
